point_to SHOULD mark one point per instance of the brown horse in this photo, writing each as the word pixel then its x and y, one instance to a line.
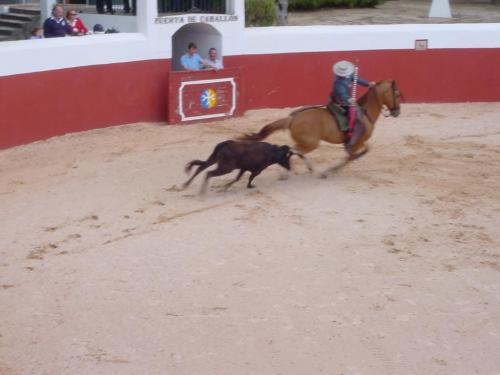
pixel 309 126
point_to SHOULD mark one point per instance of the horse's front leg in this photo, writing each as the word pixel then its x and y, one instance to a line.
pixel 353 156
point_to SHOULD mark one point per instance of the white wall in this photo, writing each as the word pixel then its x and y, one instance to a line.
pixel 368 37
pixel 29 56
pixel 125 24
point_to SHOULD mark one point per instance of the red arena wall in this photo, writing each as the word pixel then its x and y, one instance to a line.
pixel 40 105
pixel 445 76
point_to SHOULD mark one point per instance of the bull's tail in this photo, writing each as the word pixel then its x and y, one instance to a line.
pixel 267 130
pixel 202 165
pixel 212 159
pixel 192 163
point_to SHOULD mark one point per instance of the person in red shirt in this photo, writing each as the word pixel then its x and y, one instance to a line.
pixel 78 28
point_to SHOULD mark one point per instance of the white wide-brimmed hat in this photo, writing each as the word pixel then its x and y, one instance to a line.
pixel 343 68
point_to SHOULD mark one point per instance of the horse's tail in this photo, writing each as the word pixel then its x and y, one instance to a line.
pixel 267 130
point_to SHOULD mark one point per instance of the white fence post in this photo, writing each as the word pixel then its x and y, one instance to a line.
pixel 45 9
pixel 147 11
pixel 440 8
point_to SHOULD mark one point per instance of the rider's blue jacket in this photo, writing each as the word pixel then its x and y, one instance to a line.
pixel 341 91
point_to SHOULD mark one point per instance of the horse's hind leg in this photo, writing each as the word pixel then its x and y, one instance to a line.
pixel 297 151
pixel 301 155
pixel 304 146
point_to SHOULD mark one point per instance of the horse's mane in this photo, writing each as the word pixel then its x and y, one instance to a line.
pixel 361 101
pixel 371 91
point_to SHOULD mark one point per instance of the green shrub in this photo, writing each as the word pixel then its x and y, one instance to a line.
pixel 304 4
pixel 260 12
pixel 315 4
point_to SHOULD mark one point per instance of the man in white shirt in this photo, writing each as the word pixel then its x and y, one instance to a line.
pixel 212 62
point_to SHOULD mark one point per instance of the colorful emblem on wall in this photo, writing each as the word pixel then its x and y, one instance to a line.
pixel 205 98
pixel 208 98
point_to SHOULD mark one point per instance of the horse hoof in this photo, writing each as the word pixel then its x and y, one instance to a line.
pixel 283 177
pixel 323 176
pixel 176 188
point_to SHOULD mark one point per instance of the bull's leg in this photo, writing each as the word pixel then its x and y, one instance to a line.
pixel 200 169
pixel 221 170
pixel 226 186
pixel 250 179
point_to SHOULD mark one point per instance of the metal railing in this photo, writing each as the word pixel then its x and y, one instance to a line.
pixel 186 6
pixel 181 6
pixel 117 4
pixel 166 6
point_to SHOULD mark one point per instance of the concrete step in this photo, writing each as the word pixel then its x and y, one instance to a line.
pixel 7 30
pixel 18 26
pixel 14 36
pixel 12 23
pixel 6 38
pixel 12 33
pixel 18 17
pixel 17 10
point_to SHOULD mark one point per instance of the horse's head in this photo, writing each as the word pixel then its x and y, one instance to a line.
pixel 389 95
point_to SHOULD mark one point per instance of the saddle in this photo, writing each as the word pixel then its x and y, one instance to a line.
pixel 339 115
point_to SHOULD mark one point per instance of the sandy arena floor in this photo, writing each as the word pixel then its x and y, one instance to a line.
pixel 391 266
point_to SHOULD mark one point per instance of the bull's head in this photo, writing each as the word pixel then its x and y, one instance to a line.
pixel 284 153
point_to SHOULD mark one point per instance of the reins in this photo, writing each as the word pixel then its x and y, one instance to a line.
pixel 365 106
pixel 384 110
pixel 387 111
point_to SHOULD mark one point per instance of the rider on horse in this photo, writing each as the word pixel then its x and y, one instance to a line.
pixel 342 96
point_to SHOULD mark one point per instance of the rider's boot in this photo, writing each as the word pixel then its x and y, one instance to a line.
pixel 359 129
